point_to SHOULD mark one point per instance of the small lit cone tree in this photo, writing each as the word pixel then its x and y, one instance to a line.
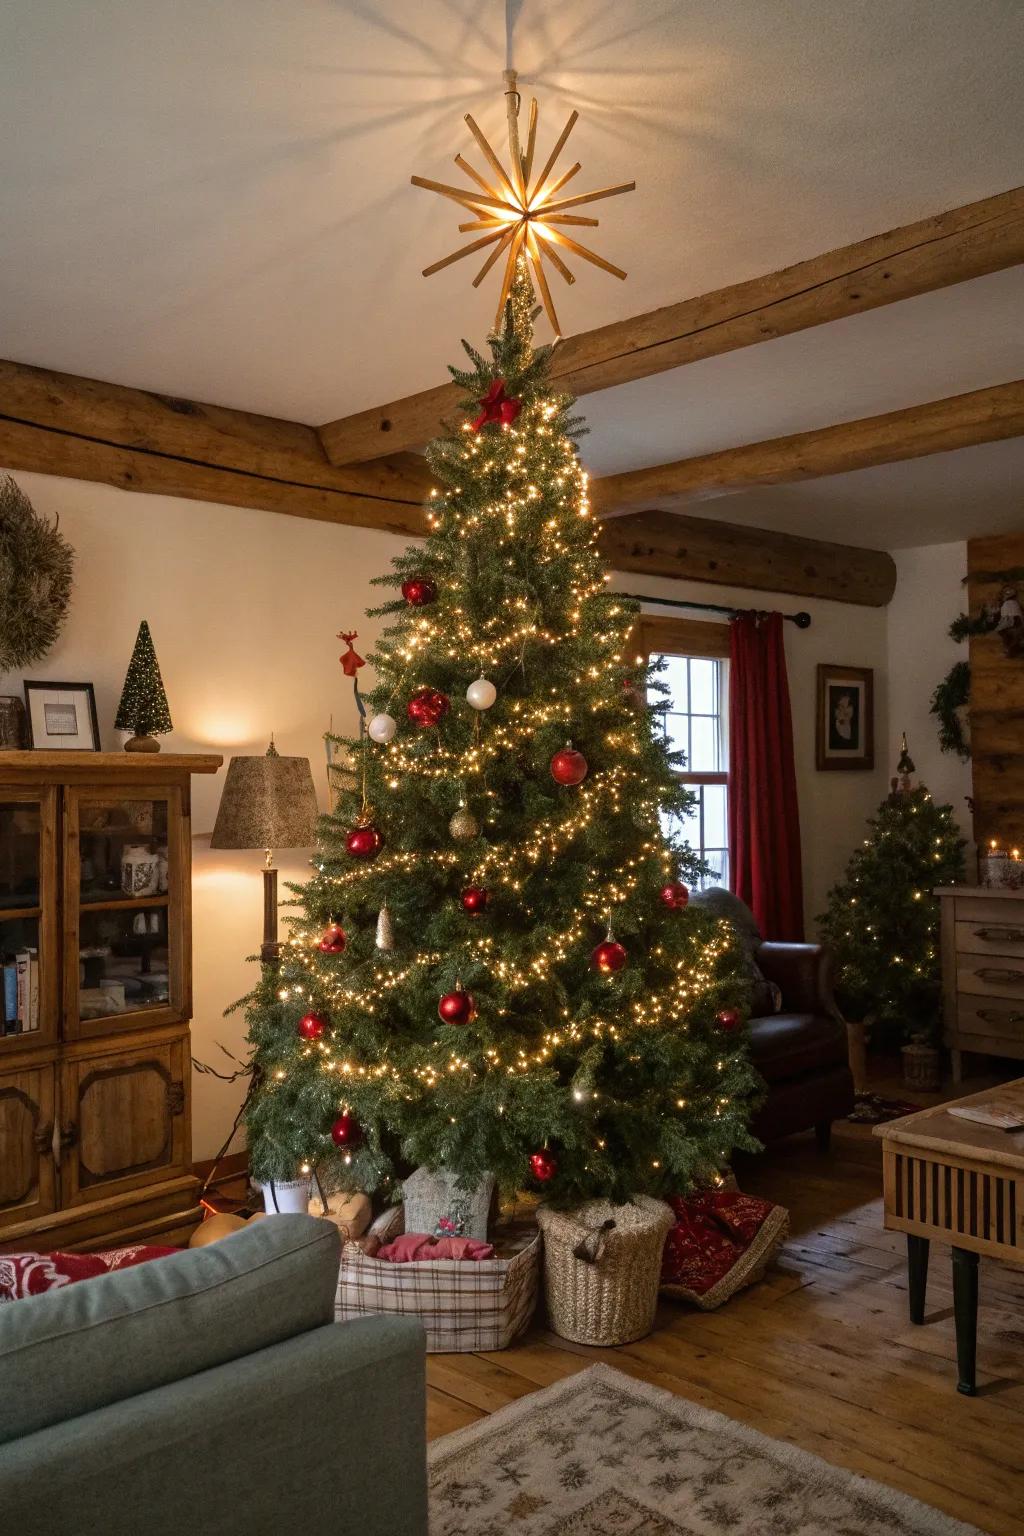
pixel 495 968
pixel 143 708
pixel 882 921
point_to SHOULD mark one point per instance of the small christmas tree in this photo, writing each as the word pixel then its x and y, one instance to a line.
pixel 143 707
pixel 495 968
pixel 882 921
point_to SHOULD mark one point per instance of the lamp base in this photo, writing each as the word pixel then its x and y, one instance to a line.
pixel 270 949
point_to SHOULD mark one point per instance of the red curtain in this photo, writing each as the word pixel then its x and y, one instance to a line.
pixel 764 817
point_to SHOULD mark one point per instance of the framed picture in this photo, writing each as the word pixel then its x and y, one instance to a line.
pixel 845 736
pixel 62 717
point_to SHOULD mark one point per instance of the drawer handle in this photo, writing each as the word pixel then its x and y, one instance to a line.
pixel 42 1139
pixel 998 1016
pixel 1000 935
pixel 995 973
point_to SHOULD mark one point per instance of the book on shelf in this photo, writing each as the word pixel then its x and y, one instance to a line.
pixel 20 997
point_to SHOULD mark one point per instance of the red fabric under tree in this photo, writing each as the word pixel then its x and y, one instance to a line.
pixel 764 816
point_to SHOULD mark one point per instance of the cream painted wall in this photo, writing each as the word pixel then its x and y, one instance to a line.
pixel 244 608
pixel 929 595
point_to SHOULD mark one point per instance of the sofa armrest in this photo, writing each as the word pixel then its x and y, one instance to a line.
pixel 804 974
pixel 325 1430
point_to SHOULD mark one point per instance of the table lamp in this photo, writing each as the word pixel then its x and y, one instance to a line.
pixel 268 802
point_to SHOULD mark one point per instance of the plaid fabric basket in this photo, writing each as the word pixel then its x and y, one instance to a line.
pixel 464 1306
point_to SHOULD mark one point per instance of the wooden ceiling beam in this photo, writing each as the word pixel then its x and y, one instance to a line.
pixel 60 424
pixel 918 258
pixel 732 555
pixel 981 416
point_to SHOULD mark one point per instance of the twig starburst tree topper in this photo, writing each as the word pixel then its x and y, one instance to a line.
pixel 520 212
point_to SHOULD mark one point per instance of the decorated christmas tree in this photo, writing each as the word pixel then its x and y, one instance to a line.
pixel 882 921
pixel 143 708
pixel 496 967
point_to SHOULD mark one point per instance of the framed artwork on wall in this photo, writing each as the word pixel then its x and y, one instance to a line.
pixel 62 717
pixel 845 734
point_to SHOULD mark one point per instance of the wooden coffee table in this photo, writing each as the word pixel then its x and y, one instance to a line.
pixel 962 1183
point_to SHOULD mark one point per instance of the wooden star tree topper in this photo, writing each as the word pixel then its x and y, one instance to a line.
pixel 520 212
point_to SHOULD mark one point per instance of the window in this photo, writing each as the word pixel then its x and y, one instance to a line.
pixel 695 717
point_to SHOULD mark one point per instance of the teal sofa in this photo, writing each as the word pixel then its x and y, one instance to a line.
pixel 211 1392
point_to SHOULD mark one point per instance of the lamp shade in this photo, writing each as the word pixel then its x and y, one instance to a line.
pixel 268 802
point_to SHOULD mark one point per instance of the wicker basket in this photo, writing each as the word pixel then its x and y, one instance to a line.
pixel 609 1297
pixel 464 1306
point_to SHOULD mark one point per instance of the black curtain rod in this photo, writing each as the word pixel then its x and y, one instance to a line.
pixel 802 620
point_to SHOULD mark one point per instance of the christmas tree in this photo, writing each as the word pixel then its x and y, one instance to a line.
pixel 143 708
pixel 882 921
pixel 495 968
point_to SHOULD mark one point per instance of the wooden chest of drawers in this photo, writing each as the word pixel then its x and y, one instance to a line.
pixel 982 972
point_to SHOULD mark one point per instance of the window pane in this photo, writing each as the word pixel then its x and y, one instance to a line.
pixel 688 826
pixel 677 733
pixel 703 686
pixel 674 679
pixel 714 816
pixel 704 732
pixel 718 858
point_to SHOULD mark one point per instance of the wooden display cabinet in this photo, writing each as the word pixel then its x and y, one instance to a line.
pixel 95 911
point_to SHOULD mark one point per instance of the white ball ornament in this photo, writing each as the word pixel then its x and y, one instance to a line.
pixel 381 728
pixel 481 694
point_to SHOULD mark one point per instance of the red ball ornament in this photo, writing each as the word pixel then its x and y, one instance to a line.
pixel 608 957
pixel 457 1007
pixel 346 1130
pixel 730 1019
pixel 474 899
pixel 543 1165
pixel 333 940
pixel 312 1026
pixel 364 842
pixel 418 591
pixel 427 707
pixel 675 895
pixel 568 766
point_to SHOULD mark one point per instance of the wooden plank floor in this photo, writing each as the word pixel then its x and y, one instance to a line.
pixel 821 1353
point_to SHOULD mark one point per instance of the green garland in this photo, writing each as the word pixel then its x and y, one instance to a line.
pixel 36 564
pixel 952 694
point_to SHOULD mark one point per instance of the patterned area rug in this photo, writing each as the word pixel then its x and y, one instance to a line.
pixel 869 1109
pixel 600 1454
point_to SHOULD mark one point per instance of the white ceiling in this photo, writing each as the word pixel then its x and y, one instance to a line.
pixel 211 198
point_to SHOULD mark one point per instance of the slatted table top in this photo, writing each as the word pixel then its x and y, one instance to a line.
pixel 939 1131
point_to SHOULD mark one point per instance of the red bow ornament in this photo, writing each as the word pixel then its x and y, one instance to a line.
pixel 350 661
pixel 497 406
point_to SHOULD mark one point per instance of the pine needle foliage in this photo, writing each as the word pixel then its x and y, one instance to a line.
pixel 143 707
pixel 882 920
pixel 630 1080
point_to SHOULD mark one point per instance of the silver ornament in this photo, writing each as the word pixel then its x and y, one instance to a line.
pixel 464 826
pixel 382 728
pixel 482 693
pixel 385 929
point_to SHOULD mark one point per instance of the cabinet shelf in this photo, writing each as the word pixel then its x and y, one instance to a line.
pixel 115 1084
pixel 124 904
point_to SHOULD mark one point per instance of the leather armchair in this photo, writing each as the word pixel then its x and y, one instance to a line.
pixel 801 1051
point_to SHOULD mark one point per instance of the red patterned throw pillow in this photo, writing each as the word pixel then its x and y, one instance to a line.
pixel 722 1241
pixel 30 1274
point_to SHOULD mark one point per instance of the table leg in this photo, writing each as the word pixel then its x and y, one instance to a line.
pixel 957 1062
pixel 917 1275
pixel 965 1311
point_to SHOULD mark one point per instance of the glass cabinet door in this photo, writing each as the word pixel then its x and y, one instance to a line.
pixel 28 926
pixel 124 965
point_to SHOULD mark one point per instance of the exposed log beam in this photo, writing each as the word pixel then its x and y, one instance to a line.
pixel 933 253
pixel 60 424
pixel 982 416
pixel 701 549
